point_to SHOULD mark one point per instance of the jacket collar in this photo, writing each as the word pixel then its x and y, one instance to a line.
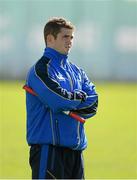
pixel 55 56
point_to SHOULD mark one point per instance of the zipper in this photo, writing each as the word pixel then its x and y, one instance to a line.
pixel 70 80
pixel 51 122
pixel 78 133
pixel 78 126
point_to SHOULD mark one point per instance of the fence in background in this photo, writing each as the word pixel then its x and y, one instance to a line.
pixel 105 44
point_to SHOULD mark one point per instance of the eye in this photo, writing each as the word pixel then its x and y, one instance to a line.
pixel 67 36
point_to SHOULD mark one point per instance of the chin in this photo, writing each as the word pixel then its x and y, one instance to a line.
pixel 65 52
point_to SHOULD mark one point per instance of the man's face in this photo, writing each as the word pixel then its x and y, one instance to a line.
pixel 63 41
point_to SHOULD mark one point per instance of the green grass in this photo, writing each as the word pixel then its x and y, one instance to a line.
pixel 112 136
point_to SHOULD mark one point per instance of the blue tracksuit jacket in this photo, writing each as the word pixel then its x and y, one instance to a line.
pixel 58 84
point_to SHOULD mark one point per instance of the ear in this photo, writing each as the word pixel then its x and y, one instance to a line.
pixel 50 38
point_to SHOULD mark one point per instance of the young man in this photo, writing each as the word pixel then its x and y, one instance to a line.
pixel 57 139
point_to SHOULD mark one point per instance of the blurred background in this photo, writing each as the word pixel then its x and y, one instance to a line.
pixel 105 46
pixel 105 39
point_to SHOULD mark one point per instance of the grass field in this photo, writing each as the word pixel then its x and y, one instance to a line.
pixel 112 134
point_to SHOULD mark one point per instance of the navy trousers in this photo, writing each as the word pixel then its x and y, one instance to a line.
pixel 54 162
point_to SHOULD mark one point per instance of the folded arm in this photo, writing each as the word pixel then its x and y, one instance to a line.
pixel 88 108
pixel 49 90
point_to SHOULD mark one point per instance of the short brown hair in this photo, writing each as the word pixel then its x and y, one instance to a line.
pixel 54 25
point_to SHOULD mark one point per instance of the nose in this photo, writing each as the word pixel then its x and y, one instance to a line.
pixel 70 41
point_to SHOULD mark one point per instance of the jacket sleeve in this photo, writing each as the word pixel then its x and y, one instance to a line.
pixel 49 91
pixel 88 108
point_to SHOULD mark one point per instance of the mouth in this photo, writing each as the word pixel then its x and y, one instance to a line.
pixel 68 47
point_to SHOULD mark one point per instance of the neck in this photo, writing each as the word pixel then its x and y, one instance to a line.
pixel 54 55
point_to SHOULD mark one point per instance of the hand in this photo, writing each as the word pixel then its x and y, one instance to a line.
pixel 79 94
